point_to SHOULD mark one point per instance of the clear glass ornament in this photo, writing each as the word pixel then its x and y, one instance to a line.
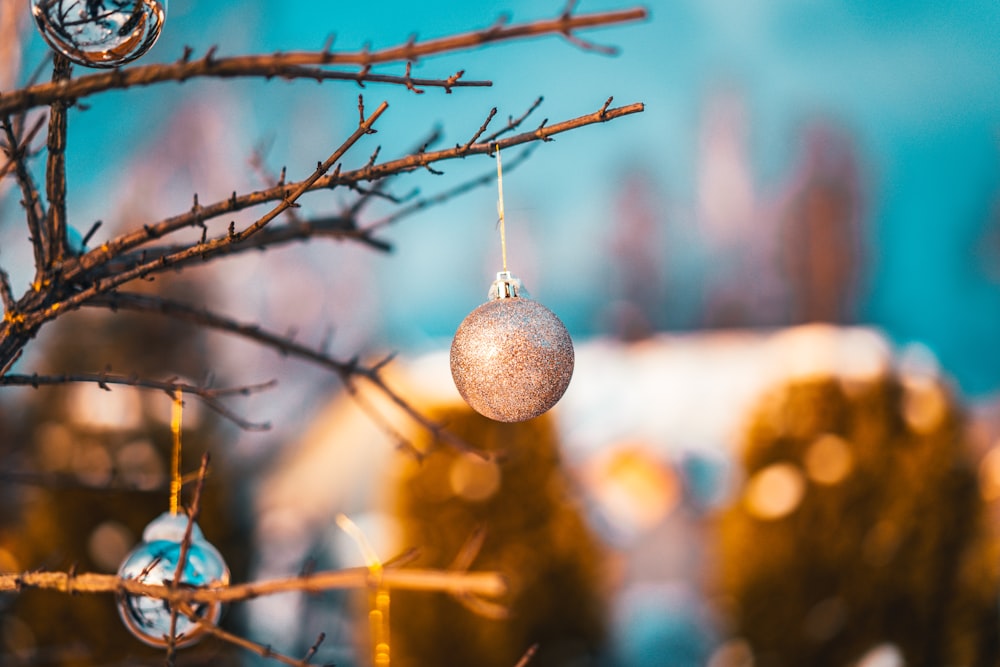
pixel 154 561
pixel 511 358
pixel 100 33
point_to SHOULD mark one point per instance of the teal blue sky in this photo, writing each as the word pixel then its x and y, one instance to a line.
pixel 915 84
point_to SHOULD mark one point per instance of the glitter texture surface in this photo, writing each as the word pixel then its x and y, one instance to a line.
pixel 511 359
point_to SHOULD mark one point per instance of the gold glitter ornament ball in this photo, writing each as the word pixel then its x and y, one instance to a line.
pixel 512 358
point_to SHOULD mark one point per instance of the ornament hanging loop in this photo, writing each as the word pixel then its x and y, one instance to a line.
pixel 503 230
pixel 176 414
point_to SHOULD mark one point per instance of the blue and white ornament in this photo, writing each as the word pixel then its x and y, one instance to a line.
pixel 154 561
pixel 100 33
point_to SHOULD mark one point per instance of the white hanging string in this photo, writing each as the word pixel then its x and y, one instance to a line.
pixel 503 231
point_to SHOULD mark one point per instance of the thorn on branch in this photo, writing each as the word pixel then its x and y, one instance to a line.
pixel 411 44
pixel 90 233
pixel 328 46
pixel 452 80
pixel 315 647
pixel 514 123
pixel 482 128
pixel 602 113
pixel 378 366
pixel 569 8
pixel 362 74
pixel 209 58
pixel 498 25
pixel 528 655
pixel 374 156
pixel 324 344
pixel 186 56
pixel 408 79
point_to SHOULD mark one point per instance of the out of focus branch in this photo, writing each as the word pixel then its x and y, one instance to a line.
pixel 208 395
pixel 30 199
pixel 234 639
pixel 346 370
pixel 489 584
pixel 11 162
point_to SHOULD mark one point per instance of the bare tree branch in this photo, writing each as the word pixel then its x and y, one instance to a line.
pixel 488 584
pixel 290 65
pixel 260 649
pixel 267 67
pixel 75 268
pixel 345 370
pixel 37 308
pixel 57 480
pixel 209 396
pixel 55 172
pixel 34 212
pixel 11 162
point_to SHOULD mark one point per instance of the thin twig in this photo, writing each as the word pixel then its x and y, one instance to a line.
pixel 34 212
pixel 528 655
pixel 9 165
pixel 334 227
pixel 207 395
pixel 315 647
pixel 482 128
pixel 181 311
pixel 514 123
pixel 262 650
pixel 487 178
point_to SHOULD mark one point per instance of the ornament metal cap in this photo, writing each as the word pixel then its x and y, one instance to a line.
pixel 507 286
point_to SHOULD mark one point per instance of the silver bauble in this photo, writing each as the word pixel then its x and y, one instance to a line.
pixel 154 561
pixel 511 358
pixel 100 33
